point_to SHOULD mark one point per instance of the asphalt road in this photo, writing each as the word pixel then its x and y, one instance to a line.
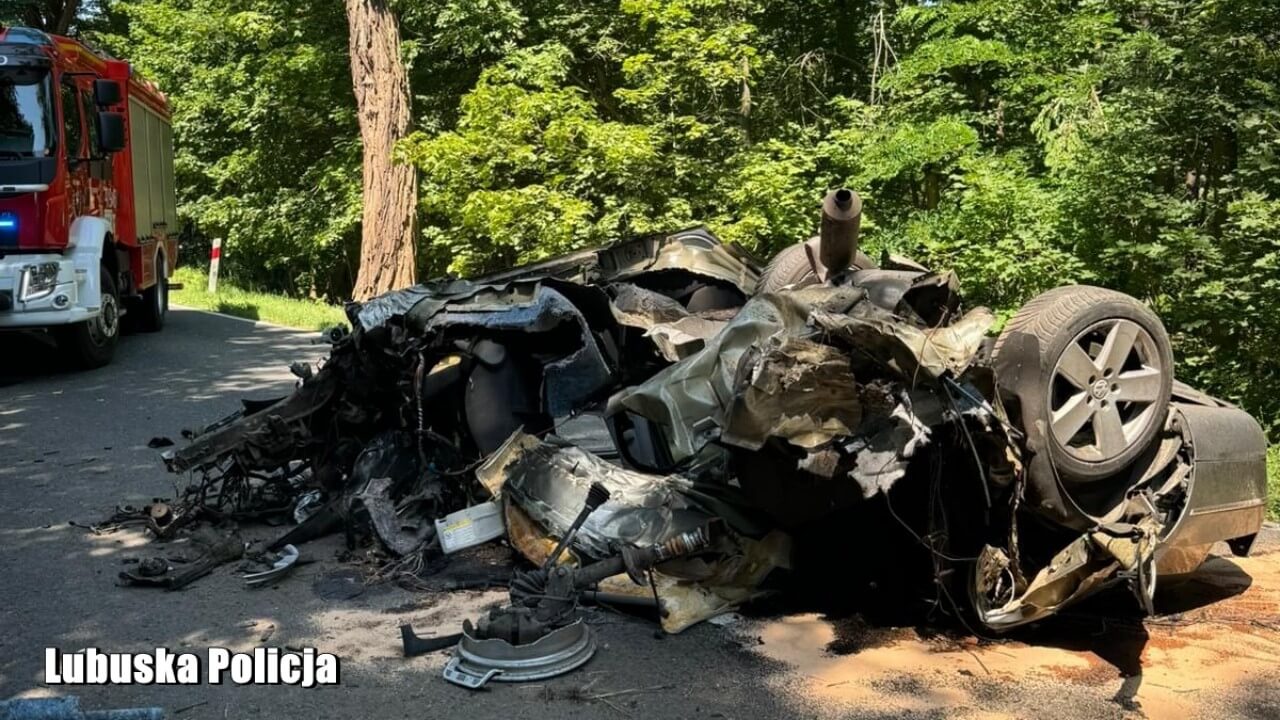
pixel 74 445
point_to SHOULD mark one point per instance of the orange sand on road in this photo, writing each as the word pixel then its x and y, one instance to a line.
pixel 1196 655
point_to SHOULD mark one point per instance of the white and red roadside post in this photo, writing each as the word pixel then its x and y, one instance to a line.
pixel 215 254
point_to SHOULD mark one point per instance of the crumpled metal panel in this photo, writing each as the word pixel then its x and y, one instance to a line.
pixel 1092 562
pixel 529 307
pixel 680 339
pixel 912 350
pixel 637 307
pixel 690 398
pixel 377 311
pixel 696 251
pixel 798 390
pixel 676 333
pixel 883 456
pixel 550 483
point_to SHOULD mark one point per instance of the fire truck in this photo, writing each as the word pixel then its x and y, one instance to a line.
pixel 88 212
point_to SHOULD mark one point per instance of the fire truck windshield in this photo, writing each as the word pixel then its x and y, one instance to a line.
pixel 26 113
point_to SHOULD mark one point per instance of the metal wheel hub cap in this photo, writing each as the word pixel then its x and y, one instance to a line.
pixel 476 662
pixel 107 324
pixel 1103 390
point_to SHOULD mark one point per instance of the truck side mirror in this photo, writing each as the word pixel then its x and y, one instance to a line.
pixel 106 92
pixel 110 132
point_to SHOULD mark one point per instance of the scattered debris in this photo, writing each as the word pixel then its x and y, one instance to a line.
pixel 173 574
pixel 342 584
pixel 415 646
pixel 281 567
pixel 1007 477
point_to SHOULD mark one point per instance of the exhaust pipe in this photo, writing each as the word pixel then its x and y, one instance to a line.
pixel 838 236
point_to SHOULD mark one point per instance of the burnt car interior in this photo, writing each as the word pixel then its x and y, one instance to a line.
pixel 667 424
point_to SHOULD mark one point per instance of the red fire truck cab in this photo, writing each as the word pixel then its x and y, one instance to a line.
pixel 88 213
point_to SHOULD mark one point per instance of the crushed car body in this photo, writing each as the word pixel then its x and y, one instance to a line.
pixel 736 407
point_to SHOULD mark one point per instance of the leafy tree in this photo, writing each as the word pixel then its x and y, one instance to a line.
pixel 268 151
pixel 54 16
pixel 1025 144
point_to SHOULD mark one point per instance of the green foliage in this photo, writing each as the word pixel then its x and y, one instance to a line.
pixel 267 307
pixel 1273 482
pixel 1128 143
pixel 264 120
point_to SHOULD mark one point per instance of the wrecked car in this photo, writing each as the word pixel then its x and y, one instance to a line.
pixel 742 421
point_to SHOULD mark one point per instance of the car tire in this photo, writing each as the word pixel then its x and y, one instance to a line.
pixel 788 268
pixel 92 344
pixel 154 307
pixel 791 267
pixel 1107 366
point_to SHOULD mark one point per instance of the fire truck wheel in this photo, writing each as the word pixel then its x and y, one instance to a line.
pixel 154 306
pixel 92 344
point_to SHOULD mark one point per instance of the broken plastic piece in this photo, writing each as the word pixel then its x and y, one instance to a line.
pixel 470 527
pixel 288 559
pixel 414 645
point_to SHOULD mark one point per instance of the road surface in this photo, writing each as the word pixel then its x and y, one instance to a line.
pixel 74 445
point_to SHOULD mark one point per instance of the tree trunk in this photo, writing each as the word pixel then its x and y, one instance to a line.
pixel 53 16
pixel 387 257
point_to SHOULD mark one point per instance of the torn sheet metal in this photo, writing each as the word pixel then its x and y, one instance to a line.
pixel 680 339
pixel 1093 561
pixel 694 251
pixel 882 457
pixel 914 353
pixel 689 399
pixel 530 308
pixel 798 390
pixel 674 331
pixel 377 311
pixel 637 307
pixel 550 484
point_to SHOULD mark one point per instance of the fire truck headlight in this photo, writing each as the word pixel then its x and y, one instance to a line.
pixel 37 281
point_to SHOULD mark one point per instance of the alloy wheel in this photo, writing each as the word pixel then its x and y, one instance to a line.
pixel 1104 388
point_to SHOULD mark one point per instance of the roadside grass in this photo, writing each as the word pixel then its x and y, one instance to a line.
pixel 1273 482
pixel 231 300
